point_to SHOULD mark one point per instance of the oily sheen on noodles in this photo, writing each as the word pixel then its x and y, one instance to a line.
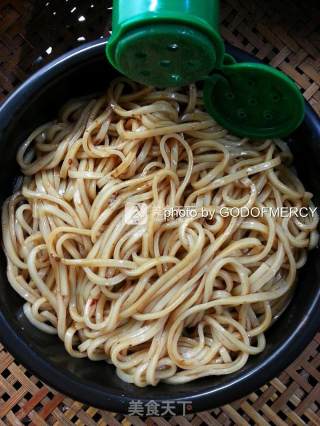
pixel 171 300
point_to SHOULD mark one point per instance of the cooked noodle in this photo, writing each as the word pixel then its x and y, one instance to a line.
pixel 163 300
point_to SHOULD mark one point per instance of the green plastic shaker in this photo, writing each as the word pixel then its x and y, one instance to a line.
pixel 165 43
pixel 170 43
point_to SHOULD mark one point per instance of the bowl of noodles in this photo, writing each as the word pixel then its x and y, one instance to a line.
pixel 149 255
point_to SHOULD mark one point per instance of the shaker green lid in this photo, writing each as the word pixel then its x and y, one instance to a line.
pixel 165 55
pixel 254 100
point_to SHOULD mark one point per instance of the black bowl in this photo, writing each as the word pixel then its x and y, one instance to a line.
pixel 83 71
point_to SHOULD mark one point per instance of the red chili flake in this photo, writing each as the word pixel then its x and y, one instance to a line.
pixel 128 124
pixel 93 302
pixel 70 161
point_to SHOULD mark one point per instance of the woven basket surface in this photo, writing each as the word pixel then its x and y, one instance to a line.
pixel 284 33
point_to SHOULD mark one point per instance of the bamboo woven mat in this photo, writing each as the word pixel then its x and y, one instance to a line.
pixel 285 33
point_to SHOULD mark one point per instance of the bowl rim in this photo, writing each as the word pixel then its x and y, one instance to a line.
pixel 94 394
